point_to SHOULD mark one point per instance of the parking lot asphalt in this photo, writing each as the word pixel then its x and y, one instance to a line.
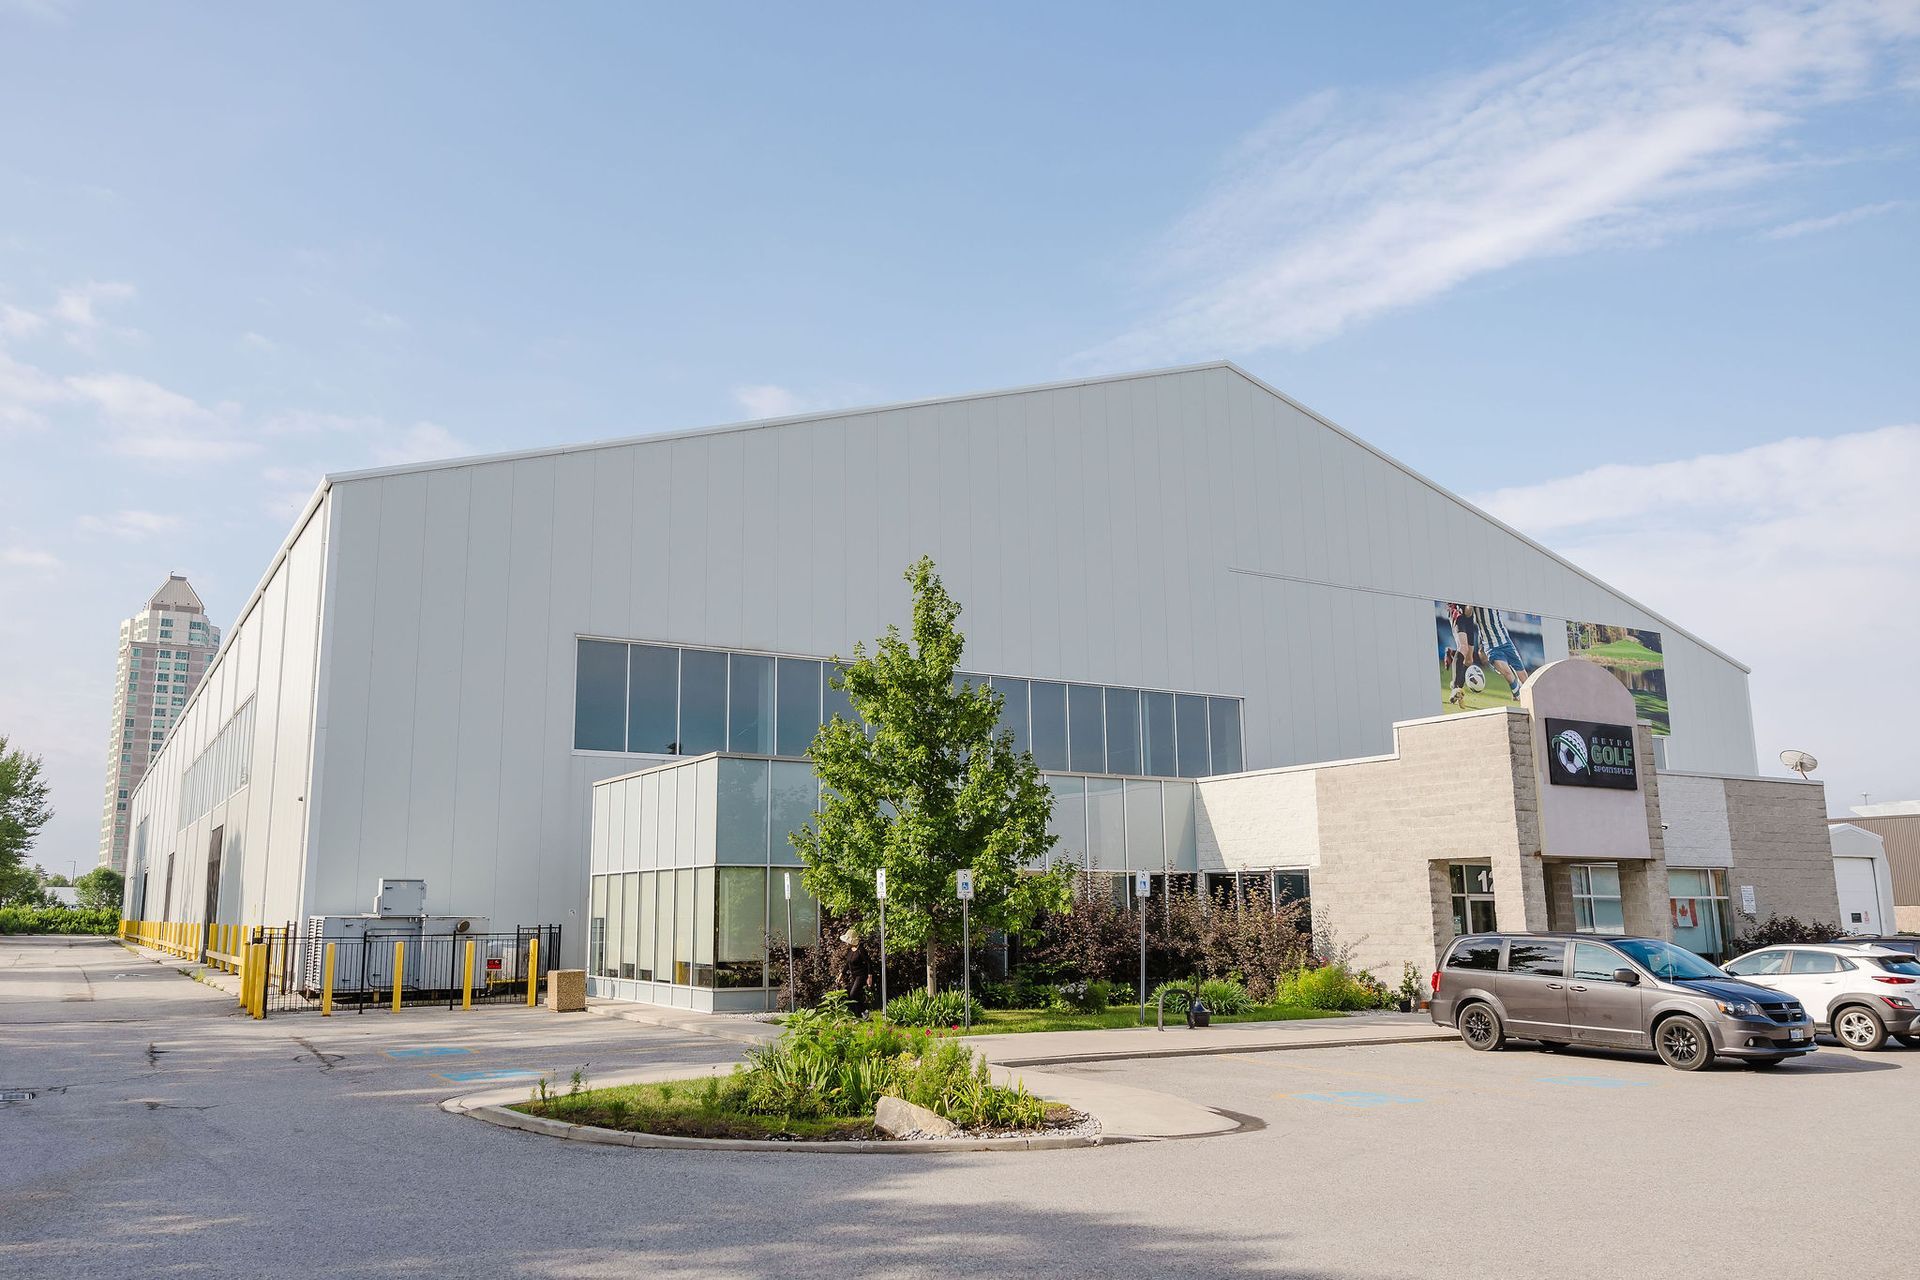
pixel 168 1135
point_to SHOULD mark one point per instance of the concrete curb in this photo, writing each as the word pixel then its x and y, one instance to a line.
pixel 488 1106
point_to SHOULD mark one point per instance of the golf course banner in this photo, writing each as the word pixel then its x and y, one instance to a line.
pixel 1485 654
pixel 1581 753
pixel 1636 660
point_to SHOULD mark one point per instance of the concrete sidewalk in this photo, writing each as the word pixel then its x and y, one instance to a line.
pixel 1045 1048
pixel 737 1027
pixel 1057 1048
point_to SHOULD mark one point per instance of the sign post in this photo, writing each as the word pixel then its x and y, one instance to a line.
pixel 963 886
pixel 792 997
pixel 1143 889
pixel 880 889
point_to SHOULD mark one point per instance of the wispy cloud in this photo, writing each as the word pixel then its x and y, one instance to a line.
pixel 1344 207
pixel 1847 217
pixel 134 526
pixel 29 558
pixel 1798 557
pixel 75 305
pixel 766 400
pixel 421 442
pixel 18 322
pixel 149 421
pixel 26 393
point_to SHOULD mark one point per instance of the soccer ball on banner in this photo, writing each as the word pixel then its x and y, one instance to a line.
pixel 1476 678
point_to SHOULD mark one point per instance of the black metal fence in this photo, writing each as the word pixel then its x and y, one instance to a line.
pixel 376 966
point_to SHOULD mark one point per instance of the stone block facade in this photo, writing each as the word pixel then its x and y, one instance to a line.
pixel 1777 830
pixel 1378 835
pixel 1458 789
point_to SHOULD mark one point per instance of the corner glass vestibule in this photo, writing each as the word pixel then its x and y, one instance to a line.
pixel 691 869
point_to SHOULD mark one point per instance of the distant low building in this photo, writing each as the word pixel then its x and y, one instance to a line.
pixel 1898 826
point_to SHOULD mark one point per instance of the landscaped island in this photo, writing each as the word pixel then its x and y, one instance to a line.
pixel 822 1080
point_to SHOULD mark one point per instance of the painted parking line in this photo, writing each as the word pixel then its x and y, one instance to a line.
pixel 496 1073
pixel 1595 1082
pixel 428 1051
pixel 1354 1098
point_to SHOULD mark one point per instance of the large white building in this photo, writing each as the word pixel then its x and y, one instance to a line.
pixel 164 651
pixel 443 659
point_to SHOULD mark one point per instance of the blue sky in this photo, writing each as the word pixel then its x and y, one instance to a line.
pixel 1641 280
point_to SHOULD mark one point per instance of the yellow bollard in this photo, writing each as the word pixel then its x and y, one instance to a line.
pixel 399 960
pixel 466 987
pixel 326 985
pixel 257 967
pixel 533 971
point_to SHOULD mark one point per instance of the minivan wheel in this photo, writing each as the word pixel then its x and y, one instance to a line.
pixel 1480 1027
pixel 1858 1028
pixel 1683 1044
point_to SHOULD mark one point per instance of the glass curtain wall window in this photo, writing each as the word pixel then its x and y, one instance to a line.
pixel 657 699
pixel 1596 898
pixel 1701 915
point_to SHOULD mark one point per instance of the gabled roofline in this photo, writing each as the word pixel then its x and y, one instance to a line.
pixel 1495 521
pixel 755 424
pixel 860 411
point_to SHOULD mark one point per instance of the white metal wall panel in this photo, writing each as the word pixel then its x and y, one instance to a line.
pixel 1186 530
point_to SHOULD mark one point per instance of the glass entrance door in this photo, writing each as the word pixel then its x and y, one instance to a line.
pixel 1472 887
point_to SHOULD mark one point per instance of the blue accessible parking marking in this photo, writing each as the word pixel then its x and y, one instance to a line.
pixel 1355 1098
pixel 496 1073
pixel 427 1051
pixel 1595 1082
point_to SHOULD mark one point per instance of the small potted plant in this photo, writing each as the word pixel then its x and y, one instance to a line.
pixel 1409 994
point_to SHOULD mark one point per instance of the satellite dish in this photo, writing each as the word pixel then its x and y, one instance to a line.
pixel 1799 761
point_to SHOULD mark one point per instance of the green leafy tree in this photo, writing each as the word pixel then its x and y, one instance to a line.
pixel 100 889
pixel 922 785
pixel 23 811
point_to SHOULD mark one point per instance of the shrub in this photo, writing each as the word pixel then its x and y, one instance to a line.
pixel 942 1009
pixel 1018 992
pixel 828 1064
pixel 59 920
pixel 950 1080
pixel 1178 997
pixel 1777 929
pixel 1094 937
pixel 1225 996
pixel 1333 987
pixel 1087 996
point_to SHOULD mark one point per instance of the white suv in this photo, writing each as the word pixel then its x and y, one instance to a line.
pixel 1858 992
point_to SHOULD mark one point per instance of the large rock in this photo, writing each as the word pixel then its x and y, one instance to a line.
pixel 898 1118
pixel 567 990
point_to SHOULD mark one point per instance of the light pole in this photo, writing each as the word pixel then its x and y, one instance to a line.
pixel 1143 889
pixel 793 998
pixel 880 888
pixel 963 887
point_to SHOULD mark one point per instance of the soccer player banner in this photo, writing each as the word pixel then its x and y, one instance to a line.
pixel 1486 655
pixel 1636 660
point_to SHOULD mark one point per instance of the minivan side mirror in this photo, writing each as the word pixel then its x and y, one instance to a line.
pixel 1629 977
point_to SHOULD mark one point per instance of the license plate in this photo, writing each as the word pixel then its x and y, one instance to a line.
pixel 1797 1035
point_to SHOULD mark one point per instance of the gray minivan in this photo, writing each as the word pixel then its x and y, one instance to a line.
pixel 1620 993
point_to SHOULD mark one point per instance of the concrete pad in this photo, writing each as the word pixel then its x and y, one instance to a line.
pixel 1126 1113
pixel 721 1026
